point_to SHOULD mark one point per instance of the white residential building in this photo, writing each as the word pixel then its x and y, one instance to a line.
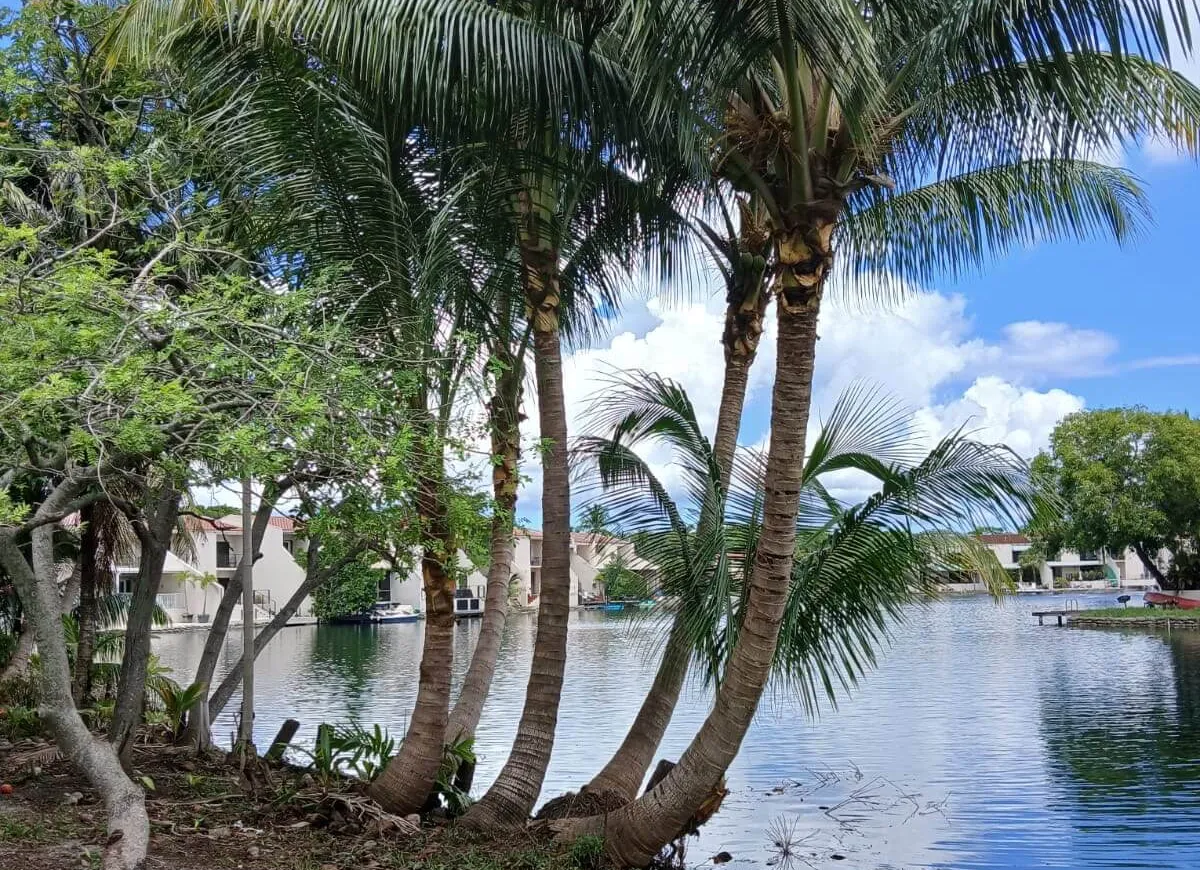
pixel 589 555
pixel 188 596
pixel 409 588
pixel 1069 568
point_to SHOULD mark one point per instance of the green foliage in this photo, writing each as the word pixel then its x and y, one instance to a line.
pixel 622 583
pixel 856 566
pixel 349 749
pixel 176 702
pixel 470 524
pixel 18 723
pixel 1126 477
pixel 354 589
pixel 364 752
pixel 20 691
pixel 587 852
pixel 455 755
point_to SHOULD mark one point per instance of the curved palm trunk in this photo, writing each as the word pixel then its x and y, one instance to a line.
pixel 407 781
pixel 637 831
pixel 625 771
pixel 512 796
pixel 506 445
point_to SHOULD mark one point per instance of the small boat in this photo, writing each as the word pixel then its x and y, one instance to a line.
pixel 647 604
pixel 398 613
pixel 614 607
pixel 1185 600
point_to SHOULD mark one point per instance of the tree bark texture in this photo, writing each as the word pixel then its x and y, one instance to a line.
pixel 510 800
pixel 635 833
pixel 625 771
pixel 504 410
pixel 409 778
pixel 154 536
pixel 128 824
pixel 18 662
pixel 93 576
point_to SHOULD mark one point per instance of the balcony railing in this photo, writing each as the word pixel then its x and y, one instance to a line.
pixel 227 559
pixel 171 601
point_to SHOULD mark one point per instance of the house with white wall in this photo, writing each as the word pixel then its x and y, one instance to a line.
pixel 408 587
pixel 192 587
pixel 590 553
pixel 1069 569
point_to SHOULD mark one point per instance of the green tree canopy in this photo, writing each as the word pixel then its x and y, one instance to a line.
pixel 1127 477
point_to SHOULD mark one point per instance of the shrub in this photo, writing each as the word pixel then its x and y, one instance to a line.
pixel 17 723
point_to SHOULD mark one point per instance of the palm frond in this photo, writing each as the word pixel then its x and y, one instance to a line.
pixel 962 223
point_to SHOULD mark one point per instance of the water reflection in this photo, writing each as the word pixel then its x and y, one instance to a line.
pixel 1122 748
pixel 982 741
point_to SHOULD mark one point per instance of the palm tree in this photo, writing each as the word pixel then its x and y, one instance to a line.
pixel 560 182
pixel 856 568
pixel 740 253
pixel 940 110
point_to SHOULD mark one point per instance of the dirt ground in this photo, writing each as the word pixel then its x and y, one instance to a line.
pixel 207 815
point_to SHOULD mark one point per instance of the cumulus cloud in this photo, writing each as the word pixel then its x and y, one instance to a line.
pixel 925 351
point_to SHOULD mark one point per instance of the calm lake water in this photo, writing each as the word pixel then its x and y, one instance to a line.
pixel 981 741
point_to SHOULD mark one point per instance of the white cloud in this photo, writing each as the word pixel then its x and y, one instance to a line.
pixel 925 351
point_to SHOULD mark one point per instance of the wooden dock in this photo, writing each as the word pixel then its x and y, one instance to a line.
pixel 1059 614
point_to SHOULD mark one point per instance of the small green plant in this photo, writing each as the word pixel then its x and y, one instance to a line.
pixel 17 723
pixel 587 852
pixel 364 752
pixel 14 830
pixel 454 755
pixel 176 702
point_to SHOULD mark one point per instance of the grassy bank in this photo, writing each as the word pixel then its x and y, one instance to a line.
pixel 1152 616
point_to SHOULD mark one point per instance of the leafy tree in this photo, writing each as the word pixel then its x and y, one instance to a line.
pixel 622 583
pixel 354 589
pixel 1127 478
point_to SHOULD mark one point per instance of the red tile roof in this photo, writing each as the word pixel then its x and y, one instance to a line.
pixel 1005 538
pixel 288 524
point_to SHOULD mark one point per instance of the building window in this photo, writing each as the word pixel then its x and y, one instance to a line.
pixel 225 555
pixel 126 582
pixel 1089 556
pixel 385 587
pixel 289 544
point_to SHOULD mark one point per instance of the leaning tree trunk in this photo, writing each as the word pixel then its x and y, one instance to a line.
pixel 506 445
pixel 128 824
pixel 635 833
pixel 625 771
pixel 512 796
pixel 198 734
pixel 154 536
pixel 314 576
pixel 409 777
